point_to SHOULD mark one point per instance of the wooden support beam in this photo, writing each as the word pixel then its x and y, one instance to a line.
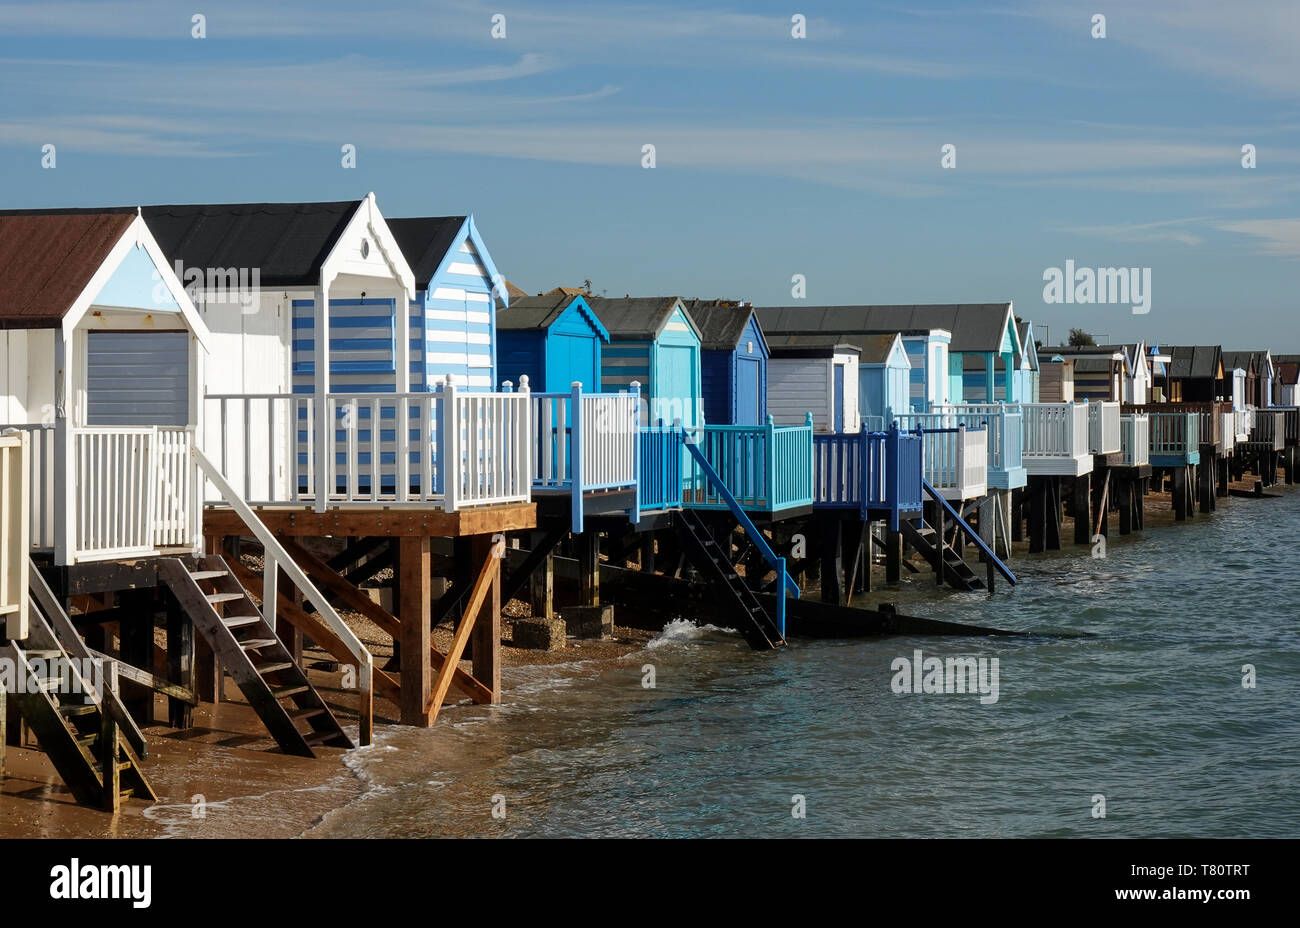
pixel 832 562
pixel 1080 509
pixel 180 664
pixel 543 545
pixel 893 555
pixel 416 630
pixel 357 601
pixel 589 568
pixel 318 632
pixel 486 634
pixel 490 570
pixel 1037 494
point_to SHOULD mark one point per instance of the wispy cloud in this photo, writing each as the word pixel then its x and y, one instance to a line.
pixel 1278 237
pixel 1167 230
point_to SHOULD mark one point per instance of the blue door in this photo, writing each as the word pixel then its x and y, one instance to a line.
pixel 747 389
pixel 837 415
pixel 577 359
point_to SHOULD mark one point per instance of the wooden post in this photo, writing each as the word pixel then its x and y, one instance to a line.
pixel 648 552
pixel 1037 492
pixel 486 634
pixel 136 636
pixel 1180 493
pixel 1081 508
pixel 416 629
pixel 893 555
pixel 588 568
pixel 1017 517
pixel 832 560
pixel 541 584
pixel 1052 488
pixel 1124 487
pixel 180 663
pixel 108 746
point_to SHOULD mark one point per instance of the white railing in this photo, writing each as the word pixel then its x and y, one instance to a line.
pixel 1103 427
pixel 956 461
pixel 1055 430
pixel 608 437
pixel 386 449
pixel 15 524
pixel 1136 439
pixel 134 491
pixel 1228 429
pixel 277 556
pixel 1003 422
pixel 1243 422
pixel 40 448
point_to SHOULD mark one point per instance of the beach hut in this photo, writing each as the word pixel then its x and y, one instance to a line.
pixel 653 341
pixel 1100 371
pixel 884 379
pixel 101 360
pixel 815 374
pixel 1260 374
pixel 1286 385
pixel 1027 368
pixel 733 362
pixel 555 339
pixel 1055 378
pixel 1195 374
pixel 452 316
pixel 982 350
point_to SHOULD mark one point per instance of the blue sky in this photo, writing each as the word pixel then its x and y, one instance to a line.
pixel 775 156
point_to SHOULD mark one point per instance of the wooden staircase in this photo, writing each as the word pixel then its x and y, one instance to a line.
pixel 956 572
pixel 275 686
pixel 753 620
pixel 77 727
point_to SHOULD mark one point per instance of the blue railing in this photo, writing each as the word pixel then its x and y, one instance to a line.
pixel 660 452
pixel 766 468
pixel 868 471
pixel 784 581
pixel 970 533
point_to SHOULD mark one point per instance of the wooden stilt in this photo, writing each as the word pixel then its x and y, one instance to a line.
pixel 893 555
pixel 1052 538
pixel 1037 493
pixel 486 634
pixel 491 566
pixel 180 664
pixel 541 583
pixel 832 562
pixel 414 614
pixel 588 544
pixel 1080 508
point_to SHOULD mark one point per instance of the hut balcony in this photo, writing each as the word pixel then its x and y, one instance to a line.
pixel 1175 438
pixel 1006 465
pixel 106 492
pixel 1056 439
pixel 604 473
pixel 1210 426
pixel 1269 432
pixel 1104 428
pixel 956 457
pixel 767 468
pixel 877 474
pixel 1229 428
pixel 445 449
pixel 1135 439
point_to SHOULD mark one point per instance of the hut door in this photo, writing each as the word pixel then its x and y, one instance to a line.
pixel 837 398
pixel 747 399
pixel 138 378
pixel 577 358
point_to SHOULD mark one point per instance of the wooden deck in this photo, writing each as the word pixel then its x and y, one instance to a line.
pixel 413 521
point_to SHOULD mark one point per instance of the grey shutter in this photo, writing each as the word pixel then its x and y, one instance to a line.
pixel 138 378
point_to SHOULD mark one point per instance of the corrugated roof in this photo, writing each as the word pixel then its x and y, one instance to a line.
pixel 974 326
pixel 424 242
pixel 633 317
pixel 47 257
pixel 1193 361
pixel 721 322
pixel 286 242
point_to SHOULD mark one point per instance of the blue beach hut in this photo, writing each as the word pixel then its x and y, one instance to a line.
pixel 734 358
pixel 553 338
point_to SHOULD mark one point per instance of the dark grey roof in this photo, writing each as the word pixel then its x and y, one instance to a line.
pixel 633 317
pixel 1093 365
pixel 1193 361
pixel 721 322
pixel 424 242
pixel 974 326
pixel 534 312
pixel 814 345
pixel 1240 359
pixel 286 242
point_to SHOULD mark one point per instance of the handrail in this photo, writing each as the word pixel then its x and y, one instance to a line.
pixel 277 555
pixel 970 532
pixel 750 528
